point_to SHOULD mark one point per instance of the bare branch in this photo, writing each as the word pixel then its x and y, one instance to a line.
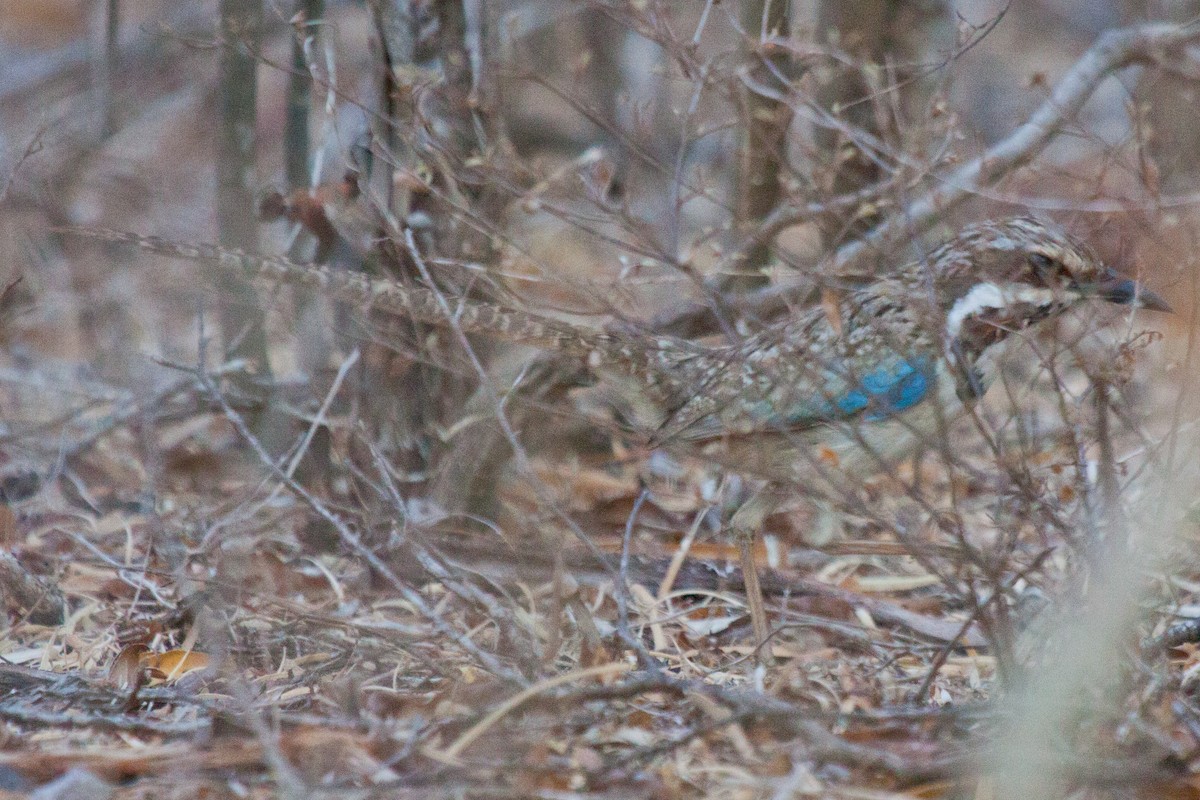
pixel 1113 51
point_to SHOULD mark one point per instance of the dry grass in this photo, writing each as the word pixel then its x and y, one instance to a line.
pixel 204 599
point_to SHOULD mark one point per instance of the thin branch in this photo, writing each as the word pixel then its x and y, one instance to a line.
pixel 1113 51
pixel 623 630
pixel 352 541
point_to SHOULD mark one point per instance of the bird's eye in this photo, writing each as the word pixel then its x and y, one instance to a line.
pixel 1044 267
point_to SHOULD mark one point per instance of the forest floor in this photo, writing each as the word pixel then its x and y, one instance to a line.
pixel 190 614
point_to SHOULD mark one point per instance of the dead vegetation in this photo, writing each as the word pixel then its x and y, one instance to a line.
pixel 254 543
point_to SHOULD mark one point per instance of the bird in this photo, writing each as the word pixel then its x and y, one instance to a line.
pixel 836 391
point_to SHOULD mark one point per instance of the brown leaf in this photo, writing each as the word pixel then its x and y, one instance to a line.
pixel 831 304
pixel 126 670
pixel 174 664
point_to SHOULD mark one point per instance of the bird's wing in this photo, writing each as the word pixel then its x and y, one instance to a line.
pixel 794 393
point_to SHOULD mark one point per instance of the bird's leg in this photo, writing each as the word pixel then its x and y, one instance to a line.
pixel 746 524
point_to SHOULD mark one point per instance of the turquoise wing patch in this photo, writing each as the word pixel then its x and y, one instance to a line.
pixel 887 390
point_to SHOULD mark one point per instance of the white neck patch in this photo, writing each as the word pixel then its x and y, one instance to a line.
pixel 990 295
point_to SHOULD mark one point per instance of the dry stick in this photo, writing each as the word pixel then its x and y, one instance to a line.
pixel 1112 51
pixel 31 149
pixel 451 319
pixel 943 653
pixel 737 734
pixel 1107 471
pixel 299 93
pixel 319 418
pixel 760 153
pixel 489 661
pixel 436 566
pixel 795 719
pixel 421 304
pixel 754 598
pixel 288 781
pixel 751 706
pixel 59 423
pixel 691 66
pixel 114 722
pixel 644 658
pixel 108 66
pixel 236 102
pixel 680 555
pixel 433 562
pixel 522 458
pixel 464 741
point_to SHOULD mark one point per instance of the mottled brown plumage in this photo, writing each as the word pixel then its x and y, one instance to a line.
pixel 843 390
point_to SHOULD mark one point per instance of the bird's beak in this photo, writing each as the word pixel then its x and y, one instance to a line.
pixel 1116 288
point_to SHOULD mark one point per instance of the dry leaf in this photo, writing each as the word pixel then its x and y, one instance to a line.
pixel 126 669
pixel 174 664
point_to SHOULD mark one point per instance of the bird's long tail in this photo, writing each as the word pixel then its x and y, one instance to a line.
pixel 381 295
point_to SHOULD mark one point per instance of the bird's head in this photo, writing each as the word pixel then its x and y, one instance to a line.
pixel 995 278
